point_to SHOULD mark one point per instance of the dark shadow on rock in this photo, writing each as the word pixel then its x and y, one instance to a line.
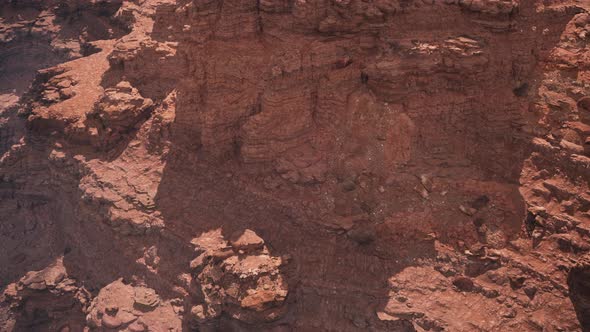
pixel 579 292
pixel 325 268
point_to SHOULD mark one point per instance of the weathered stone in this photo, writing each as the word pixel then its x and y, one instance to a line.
pixel 246 240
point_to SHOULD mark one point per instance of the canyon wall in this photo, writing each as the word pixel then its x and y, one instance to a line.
pixel 294 165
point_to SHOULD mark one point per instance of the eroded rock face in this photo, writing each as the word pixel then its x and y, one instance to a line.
pixel 294 165
pixel 494 282
pixel 122 307
pixel 241 279
pixel 116 113
pixel 47 299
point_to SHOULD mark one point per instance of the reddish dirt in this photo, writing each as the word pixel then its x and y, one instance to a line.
pixel 295 165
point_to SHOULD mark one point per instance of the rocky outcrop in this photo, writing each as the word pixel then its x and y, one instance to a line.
pixel 116 113
pixel 47 299
pixel 488 281
pixel 122 307
pixel 242 279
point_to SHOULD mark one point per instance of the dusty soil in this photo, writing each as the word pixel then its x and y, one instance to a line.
pixel 294 165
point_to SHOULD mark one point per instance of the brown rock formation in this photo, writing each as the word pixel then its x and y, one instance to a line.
pixel 242 280
pixel 294 165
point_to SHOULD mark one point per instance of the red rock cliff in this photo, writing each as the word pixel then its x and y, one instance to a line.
pixel 295 165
